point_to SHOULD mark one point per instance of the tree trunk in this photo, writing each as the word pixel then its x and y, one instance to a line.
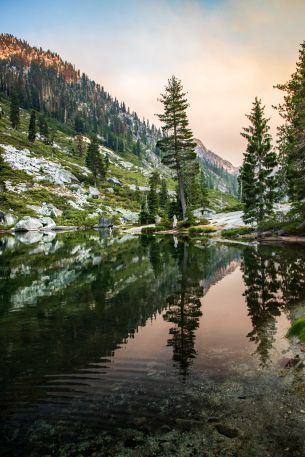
pixel 261 210
pixel 182 196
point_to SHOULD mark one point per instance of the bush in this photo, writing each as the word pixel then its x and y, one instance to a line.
pixel 203 221
pixel 161 228
pixel 185 223
pixel 289 224
pixel 77 218
pixel 236 232
pixel 298 328
pixel 165 221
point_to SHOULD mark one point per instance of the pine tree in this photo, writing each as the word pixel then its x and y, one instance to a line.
pixel 152 197
pixel 14 110
pixel 177 144
pixel 32 127
pixel 257 177
pixel 43 129
pixel 163 196
pixel 144 216
pixel 292 134
pixel 80 145
pixel 94 160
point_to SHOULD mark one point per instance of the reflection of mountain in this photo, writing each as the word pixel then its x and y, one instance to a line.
pixel 67 310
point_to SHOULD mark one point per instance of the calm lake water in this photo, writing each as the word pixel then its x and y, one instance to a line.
pixel 106 333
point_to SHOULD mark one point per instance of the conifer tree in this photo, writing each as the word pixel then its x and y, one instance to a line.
pixel 43 129
pixel 292 134
pixel 80 145
pixel 163 196
pixel 177 144
pixel 144 215
pixel 94 160
pixel 32 127
pixel 152 197
pixel 14 110
pixel 257 177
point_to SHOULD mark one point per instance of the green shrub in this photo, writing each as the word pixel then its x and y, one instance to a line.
pixel 203 221
pixel 161 228
pixel 298 328
pixel 290 224
pixel 77 218
pixel 165 221
pixel 185 223
pixel 235 232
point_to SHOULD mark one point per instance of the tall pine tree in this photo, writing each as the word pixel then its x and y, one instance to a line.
pixel 14 110
pixel 32 127
pixel 94 160
pixel 257 174
pixel 177 144
pixel 152 197
pixel 163 196
pixel 43 129
pixel 292 134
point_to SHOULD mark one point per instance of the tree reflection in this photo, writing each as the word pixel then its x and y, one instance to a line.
pixel 184 310
pixel 274 283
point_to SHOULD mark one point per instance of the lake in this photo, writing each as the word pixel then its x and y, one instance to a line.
pixel 134 345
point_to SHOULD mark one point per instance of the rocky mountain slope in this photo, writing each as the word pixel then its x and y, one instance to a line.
pixel 52 180
pixel 44 82
pixel 220 173
pixel 37 179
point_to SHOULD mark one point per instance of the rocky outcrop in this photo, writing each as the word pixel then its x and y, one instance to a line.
pixel 105 223
pixel 115 181
pixel 127 216
pixel 39 167
pixel 28 224
pixel 46 209
pixel 32 224
pixel 47 223
pixel 94 192
pixel 7 218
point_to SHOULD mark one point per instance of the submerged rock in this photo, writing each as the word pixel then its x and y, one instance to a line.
pixel 227 431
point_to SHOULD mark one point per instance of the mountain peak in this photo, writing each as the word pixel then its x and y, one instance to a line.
pixel 204 153
pixel 12 47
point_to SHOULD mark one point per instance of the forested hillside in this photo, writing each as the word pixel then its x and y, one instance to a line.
pixel 46 83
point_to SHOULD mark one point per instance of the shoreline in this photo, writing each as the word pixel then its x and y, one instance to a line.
pixel 136 230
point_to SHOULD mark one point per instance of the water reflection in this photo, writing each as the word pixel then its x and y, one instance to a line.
pixel 70 306
pixel 274 279
pixel 184 308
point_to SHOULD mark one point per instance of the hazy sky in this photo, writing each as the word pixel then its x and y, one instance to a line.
pixel 225 51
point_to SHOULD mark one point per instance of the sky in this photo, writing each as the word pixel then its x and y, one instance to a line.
pixel 226 52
